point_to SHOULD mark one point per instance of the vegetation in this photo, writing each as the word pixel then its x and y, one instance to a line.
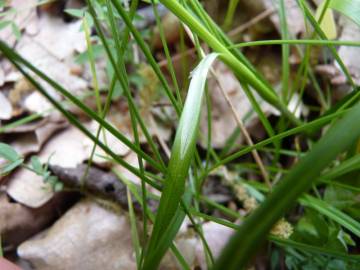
pixel 318 194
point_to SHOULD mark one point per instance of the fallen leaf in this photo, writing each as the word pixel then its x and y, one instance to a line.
pixel 348 54
pixel 217 237
pixel 24 17
pixel 32 141
pixel 86 237
pixel 6 108
pixel 65 149
pixel 28 188
pixel 19 222
pixel 108 139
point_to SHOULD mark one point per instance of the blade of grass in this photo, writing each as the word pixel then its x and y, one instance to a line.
pixel 120 47
pixel 181 156
pixel 180 214
pixel 170 65
pixel 148 54
pixel 311 126
pixel 121 76
pixel 133 228
pixel 332 213
pixel 73 120
pixel 241 70
pixel 285 51
pixel 297 42
pixel 321 34
pixel 284 242
pixel 252 232
pixel 230 14
pixel 11 54
pixel 344 167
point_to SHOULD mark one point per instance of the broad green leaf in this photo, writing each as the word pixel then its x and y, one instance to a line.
pixel 8 153
pixel 350 8
pixel 181 156
pixel 327 21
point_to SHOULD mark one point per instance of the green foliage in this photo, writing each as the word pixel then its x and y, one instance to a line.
pixel 12 158
pixel 350 8
pixel 181 156
pixel 42 170
pixel 327 229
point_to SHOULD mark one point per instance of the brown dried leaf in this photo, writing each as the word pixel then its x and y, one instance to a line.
pixel 86 237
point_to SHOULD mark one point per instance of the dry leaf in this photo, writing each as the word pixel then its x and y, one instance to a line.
pixel 65 149
pixel 28 188
pixel 19 222
pixel 294 15
pixel 6 109
pixel 24 18
pixel 86 237
pixel 349 55
pixel 52 49
pixel 217 237
pixel 33 140
pixel 108 139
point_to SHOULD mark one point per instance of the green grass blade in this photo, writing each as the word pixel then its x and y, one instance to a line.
pixel 332 213
pixel 284 242
pixel 300 178
pixel 322 35
pixel 311 126
pixel 297 42
pixel 11 54
pixel 240 69
pixel 285 51
pixel 346 166
pixel 148 54
pixel 181 156
pixel 230 14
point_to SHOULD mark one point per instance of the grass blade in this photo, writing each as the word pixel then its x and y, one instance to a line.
pixel 182 154
pixel 252 232
pixel 239 68
pixel 332 213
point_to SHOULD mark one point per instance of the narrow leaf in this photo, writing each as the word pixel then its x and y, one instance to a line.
pixel 252 232
pixel 181 156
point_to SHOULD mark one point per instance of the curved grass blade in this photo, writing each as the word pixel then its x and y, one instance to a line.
pixel 350 8
pixel 297 42
pixel 255 228
pixel 181 156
